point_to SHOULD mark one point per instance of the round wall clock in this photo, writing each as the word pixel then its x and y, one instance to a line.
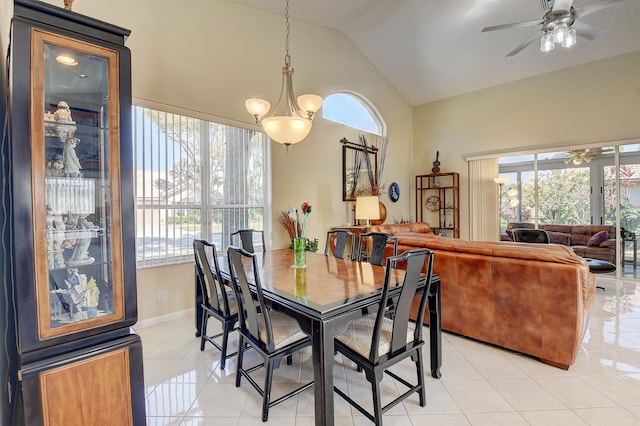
pixel 433 203
pixel 394 192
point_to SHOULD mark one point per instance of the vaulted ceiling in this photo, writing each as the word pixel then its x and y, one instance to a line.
pixel 434 49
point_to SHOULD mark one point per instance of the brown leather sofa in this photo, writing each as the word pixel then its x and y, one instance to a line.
pixel 577 237
pixel 530 298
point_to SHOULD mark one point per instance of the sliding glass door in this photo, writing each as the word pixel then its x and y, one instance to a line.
pixel 576 187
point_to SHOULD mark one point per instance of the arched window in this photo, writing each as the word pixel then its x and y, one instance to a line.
pixel 355 111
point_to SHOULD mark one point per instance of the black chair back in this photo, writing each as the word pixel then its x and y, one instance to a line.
pixel 254 320
pixel 415 261
pixel 246 239
pixel 211 284
pixel 524 235
pixel 371 247
pixel 341 237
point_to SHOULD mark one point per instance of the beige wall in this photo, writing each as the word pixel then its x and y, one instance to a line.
pixel 591 103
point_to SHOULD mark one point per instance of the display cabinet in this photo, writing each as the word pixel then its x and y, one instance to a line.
pixel 438 202
pixel 73 204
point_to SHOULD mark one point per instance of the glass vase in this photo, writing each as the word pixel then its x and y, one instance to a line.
pixel 300 252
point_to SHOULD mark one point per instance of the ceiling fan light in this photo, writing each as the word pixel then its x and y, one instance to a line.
pixel 571 39
pixel 560 32
pixel 546 42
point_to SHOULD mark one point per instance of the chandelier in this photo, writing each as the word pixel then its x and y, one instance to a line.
pixel 290 122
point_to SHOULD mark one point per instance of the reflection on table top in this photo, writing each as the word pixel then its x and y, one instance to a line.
pixel 325 284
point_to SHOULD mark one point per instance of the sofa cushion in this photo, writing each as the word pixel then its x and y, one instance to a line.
pixel 598 239
pixel 567 229
pixel 559 238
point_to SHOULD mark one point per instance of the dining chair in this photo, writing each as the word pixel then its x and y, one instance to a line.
pixel 218 299
pixel 526 235
pixel 257 329
pixel 246 239
pixel 341 237
pixel 371 247
pixel 376 342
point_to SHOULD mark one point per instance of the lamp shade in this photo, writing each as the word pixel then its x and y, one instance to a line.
pixel 501 180
pixel 367 208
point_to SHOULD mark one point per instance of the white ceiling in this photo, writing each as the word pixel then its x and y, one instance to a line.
pixel 434 49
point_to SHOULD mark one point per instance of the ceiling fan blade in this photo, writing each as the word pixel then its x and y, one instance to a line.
pixel 586 31
pixel 535 36
pixel 514 25
pixel 594 6
pixel 562 5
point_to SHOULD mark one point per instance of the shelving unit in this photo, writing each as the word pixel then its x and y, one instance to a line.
pixel 438 202
pixel 72 201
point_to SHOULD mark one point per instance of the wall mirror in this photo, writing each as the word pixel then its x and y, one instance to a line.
pixel 359 170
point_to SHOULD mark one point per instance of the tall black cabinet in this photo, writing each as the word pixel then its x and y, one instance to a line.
pixel 72 222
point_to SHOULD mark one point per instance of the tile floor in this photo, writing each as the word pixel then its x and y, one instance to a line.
pixel 480 384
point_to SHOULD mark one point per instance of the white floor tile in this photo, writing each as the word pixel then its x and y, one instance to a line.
pixel 480 384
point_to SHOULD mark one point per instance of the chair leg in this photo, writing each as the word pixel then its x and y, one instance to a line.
pixel 419 367
pixel 225 340
pixel 266 394
pixel 377 401
pixel 289 359
pixel 239 359
pixel 203 330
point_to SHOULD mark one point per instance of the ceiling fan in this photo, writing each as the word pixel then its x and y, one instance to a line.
pixel 577 156
pixel 558 25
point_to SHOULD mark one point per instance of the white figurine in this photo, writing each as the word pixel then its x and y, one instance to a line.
pixel 70 159
pixel 66 126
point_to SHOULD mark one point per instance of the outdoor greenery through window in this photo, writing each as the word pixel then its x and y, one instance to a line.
pixel 194 179
pixel 576 187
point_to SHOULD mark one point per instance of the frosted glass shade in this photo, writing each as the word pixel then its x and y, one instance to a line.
pixel 546 42
pixel 285 129
pixel 257 107
pixel 310 103
pixel 570 40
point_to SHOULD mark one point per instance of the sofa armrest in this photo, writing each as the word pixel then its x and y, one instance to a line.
pixel 610 243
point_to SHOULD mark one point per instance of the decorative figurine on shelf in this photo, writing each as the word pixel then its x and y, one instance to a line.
pixel 79 239
pixel 55 238
pixel 68 4
pixel 436 164
pixel 76 289
pixel 92 298
pixel 66 127
pixel 55 166
pixel 72 165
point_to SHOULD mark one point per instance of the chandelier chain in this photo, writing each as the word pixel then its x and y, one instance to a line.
pixel 287 57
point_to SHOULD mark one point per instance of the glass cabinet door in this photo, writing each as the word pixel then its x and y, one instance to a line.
pixel 76 181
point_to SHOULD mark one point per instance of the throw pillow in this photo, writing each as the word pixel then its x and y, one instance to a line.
pixel 510 233
pixel 598 239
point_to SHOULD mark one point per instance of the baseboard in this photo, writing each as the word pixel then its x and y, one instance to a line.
pixel 164 318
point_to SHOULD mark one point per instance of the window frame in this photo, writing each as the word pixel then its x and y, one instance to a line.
pixel 201 202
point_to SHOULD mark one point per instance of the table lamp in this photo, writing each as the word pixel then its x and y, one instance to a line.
pixel 367 208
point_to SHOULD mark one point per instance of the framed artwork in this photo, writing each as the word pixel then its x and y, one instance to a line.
pixel 359 170
pixel 394 192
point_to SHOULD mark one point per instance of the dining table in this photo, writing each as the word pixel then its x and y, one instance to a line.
pixel 324 296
